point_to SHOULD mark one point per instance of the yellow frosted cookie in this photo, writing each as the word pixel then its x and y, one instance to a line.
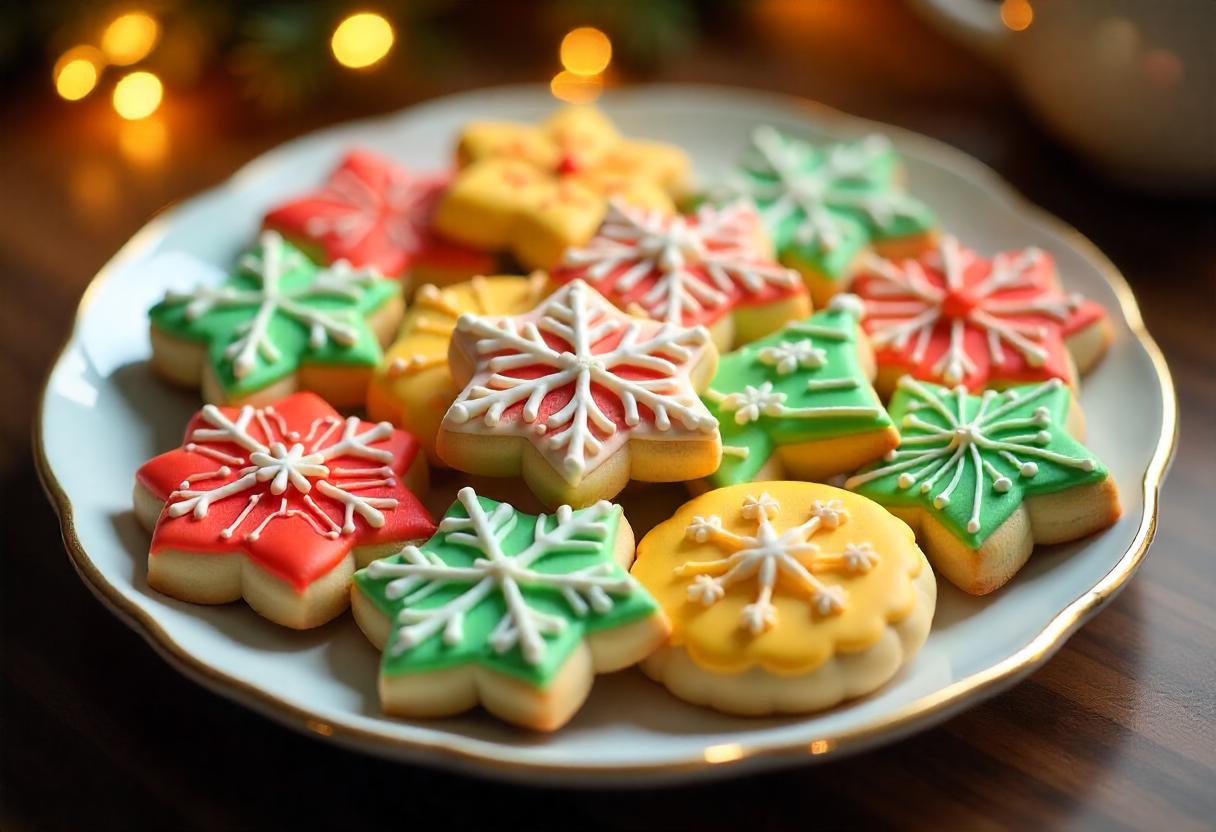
pixel 537 189
pixel 413 387
pixel 784 597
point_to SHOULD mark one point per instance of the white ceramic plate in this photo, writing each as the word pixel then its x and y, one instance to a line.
pixel 103 414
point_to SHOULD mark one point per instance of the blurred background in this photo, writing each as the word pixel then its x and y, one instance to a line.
pixel 1102 111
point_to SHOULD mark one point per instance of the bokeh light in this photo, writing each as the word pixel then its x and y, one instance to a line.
pixel 586 51
pixel 137 95
pixel 130 37
pixel 362 40
pixel 77 71
pixel 576 89
pixel 1017 14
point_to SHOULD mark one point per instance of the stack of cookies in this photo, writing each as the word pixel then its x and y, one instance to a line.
pixel 835 381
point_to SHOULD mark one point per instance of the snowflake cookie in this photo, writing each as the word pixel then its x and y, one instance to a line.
pixel 826 205
pixel 580 398
pixel 953 317
pixel 510 611
pixel 712 268
pixel 784 597
pixel 372 213
pixel 279 324
pixel 278 505
pixel 798 404
pixel 413 387
pixel 536 190
pixel 984 478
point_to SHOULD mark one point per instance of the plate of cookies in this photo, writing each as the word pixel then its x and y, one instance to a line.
pixel 693 433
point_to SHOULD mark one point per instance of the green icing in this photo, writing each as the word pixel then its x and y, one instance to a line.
pixel 579 550
pixel 753 374
pixel 822 204
pixel 305 313
pixel 1018 437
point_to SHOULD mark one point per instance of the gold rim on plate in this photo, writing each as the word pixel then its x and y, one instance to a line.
pixel 928 709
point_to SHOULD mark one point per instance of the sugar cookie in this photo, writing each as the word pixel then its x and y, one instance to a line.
pixel 784 597
pixel 278 505
pixel 984 478
pixel 279 324
pixel 510 611
pixel 712 268
pixel 580 398
pixel 536 190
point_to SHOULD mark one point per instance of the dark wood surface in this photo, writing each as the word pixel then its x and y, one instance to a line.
pixel 1117 731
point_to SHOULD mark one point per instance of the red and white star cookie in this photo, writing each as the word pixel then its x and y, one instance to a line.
pixel 279 505
pixel 953 317
pixel 374 213
pixel 713 268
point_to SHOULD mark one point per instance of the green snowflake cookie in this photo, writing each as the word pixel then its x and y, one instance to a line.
pixel 278 311
pixel 972 460
pixel 822 204
pixel 794 391
pixel 504 590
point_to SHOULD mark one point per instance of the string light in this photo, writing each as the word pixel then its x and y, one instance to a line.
pixel 586 51
pixel 137 95
pixel 576 89
pixel 362 40
pixel 1017 14
pixel 77 71
pixel 130 38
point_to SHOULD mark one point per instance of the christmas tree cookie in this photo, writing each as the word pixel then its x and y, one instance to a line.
pixel 510 611
pixel 413 387
pixel 579 398
pixel 984 478
pixel 372 213
pixel 798 404
pixel 784 597
pixel 712 268
pixel 278 505
pixel 826 205
pixel 281 323
pixel 953 317
pixel 536 190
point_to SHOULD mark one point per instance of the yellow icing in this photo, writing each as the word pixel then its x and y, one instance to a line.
pixel 413 387
pixel 801 639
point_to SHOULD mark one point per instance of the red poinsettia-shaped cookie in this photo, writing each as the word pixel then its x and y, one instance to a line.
pixel 279 505
pixel 954 317
pixel 374 213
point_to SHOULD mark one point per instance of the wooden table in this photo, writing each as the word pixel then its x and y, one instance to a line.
pixel 1118 730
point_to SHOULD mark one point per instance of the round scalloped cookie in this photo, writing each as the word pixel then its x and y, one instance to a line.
pixel 413 388
pixel 784 597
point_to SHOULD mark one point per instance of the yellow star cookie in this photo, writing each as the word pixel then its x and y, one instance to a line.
pixel 784 597
pixel 538 189
pixel 413 387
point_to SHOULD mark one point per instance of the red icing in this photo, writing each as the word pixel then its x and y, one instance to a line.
pixel 729 234
pixel 899 294
pixel 289 546
pixel 568 164
pixel 374 213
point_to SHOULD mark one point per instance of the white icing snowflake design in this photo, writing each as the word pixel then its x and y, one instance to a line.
pixel 904 308
pixel 768 555
pixel 292 463
pixel 273 260
pixel 577 342
pixel 777 177
pixel 694 268
pixel 399 208
pixel 590 588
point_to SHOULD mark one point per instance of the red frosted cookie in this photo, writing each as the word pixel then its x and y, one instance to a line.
pixel 374 213
pixel 279 505
pixel 954 317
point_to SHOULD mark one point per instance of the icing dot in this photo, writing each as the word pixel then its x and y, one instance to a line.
pixel 889 456
pixel 973 526
pixel 906 480
pixel 1043 436
pixel 924 488
pixel 849 304
pixel 941 501
pixel 1087 465
pixel 1029 469
pixel 1002 484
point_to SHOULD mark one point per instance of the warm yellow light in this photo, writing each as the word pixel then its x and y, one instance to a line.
pixel 586 51
pixel 362 40
pixel 144 143
pixel 137 95
pixel 76 72
pixel 1017 14
pixel 130 37
pixel 577 89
